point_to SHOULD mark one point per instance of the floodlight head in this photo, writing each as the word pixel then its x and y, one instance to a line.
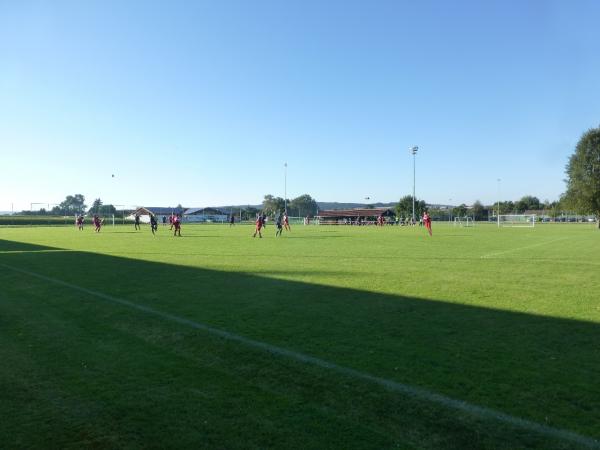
pixel 414 150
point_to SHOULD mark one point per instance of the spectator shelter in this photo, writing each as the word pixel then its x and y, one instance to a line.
pixel 157 211
pixel 356 216
pixel 205 215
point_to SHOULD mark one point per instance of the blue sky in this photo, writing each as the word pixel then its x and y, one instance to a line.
pixel 201 103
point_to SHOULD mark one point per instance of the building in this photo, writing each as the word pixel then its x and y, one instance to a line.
pixel 205 215
pixel 158 211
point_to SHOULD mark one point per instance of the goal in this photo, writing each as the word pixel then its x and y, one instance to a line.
pixel 516 220
pixel 464 222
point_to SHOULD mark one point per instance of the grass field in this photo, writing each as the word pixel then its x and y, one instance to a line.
pixel 328 337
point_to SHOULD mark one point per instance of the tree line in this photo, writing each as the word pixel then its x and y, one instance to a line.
pixel 72 205
pixel 582 196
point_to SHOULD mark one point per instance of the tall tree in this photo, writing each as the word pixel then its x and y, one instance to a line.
pixel 460 211
pixel 95 208
pixel 479 211
pixel 272 205
pixel 71 204
pixel 108 209
pixel 528 202
pixel 249 213
pixel 583 175
pixel 303 205
pixel 507 207
pixel 404 207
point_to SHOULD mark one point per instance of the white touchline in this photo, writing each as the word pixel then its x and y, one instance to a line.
pixel 51 250
pixel 412 391
pixel 510 250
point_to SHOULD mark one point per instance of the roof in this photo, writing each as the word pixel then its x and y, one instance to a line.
pixel 356 212
pixel 207 211
pixel 161 210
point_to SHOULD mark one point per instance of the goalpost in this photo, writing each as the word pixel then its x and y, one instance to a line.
pixel 516 220
pixel 464 221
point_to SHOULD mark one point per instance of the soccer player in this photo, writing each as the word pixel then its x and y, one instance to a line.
pixel 137 221
pixel 177 225
pixel 97 224
pixel 427 222
pixel 278 225
pixel 231 220
pixel 153 223
pixel 259 225
pixel 79 222
pixel 171 219
pixel 286 222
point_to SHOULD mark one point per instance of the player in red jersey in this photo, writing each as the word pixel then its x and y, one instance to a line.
pixel 259 225
pixel 286 222
pixel 97 224
pixel 177 225
pixel 427 222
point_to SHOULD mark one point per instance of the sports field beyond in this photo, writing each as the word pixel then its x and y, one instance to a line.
pixel 328 337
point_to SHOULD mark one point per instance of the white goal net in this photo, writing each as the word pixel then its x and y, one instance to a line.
pixel 517 220
pixel 464 222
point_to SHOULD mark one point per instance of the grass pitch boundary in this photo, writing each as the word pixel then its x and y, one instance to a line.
pixel 405 389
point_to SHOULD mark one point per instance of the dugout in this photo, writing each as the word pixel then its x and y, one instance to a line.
pixel 355 216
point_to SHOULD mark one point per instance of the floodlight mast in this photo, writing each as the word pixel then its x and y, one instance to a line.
pixel 285 187
pixel 498 214
pixel 414 151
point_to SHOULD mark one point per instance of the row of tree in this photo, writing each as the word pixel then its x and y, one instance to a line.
pixel 582 195
pixel 74 204
pixel 478 210
pixel 301 206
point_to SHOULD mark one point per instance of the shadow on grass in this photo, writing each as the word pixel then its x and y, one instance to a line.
pixel 540 368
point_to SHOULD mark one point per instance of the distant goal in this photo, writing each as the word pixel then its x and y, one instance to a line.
pixel 517 220
pixel 464 222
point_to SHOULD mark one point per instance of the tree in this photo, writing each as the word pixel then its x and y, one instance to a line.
pixel 528 202
pixel 95 208
pixel 249 213
pixel 583 175
pixel 404 207
pixel 108 209
pixel 272 205
pixel 71 205
pixel 302 206
pixel 460 211
pixel 479 211
pixel 507 207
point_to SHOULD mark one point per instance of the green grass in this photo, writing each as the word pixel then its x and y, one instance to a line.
pixel 507 319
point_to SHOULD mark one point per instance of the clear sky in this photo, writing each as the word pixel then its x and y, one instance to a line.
pixel 202 102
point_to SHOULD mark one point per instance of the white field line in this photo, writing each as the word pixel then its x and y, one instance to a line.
pixel 510 250
pixel 57 250
pixel 406 389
